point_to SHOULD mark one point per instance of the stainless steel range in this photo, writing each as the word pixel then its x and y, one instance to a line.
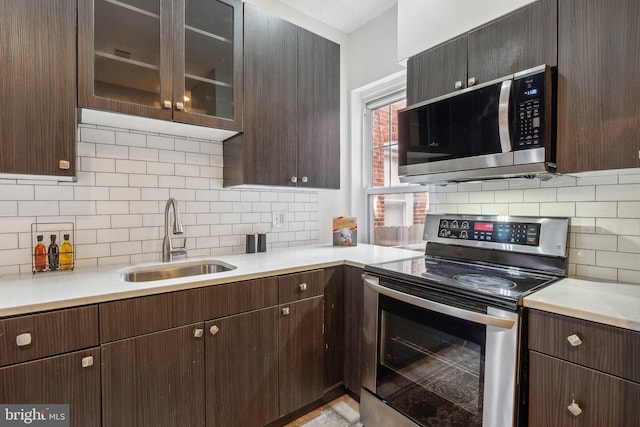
pixel 442 332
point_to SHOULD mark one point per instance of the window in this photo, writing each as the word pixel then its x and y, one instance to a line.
pixel 396 211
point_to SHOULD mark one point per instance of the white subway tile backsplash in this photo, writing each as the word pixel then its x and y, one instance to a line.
pixel 154 193
pixel 146 154
pixel 558 209
pixel 86 149
pixel 495 209
pixel 10 240
pixel 188 146
pixel 628 244
pixel 124 193
pixel 524 209
pixel 594 241
pixel 596 272
pixel 622 260
pixel 110 151
pixel 618 192
pixel 8 208
pixel 38 208
pixel 99 250
pixel 78 208
pixel 582 256
pixel 131 139
pixel 157 168
pixel 170 181
pixel 575 194
pixel 628 209
pixel 142 207
pixel 596 209
pixel 53 192
pixel 176 157
pixel 128 221
pixel 160 142
pixel 143 180
pixel 509 196
pixel 90 193
pixel 540 195
pixel 93 164
pixel 629 227
pixel 480 197
pixel 112 235
pixel 131 166
pixel 99 136
pixel 629 276
pixel 188 170
pixel 126 248
pixel 112 179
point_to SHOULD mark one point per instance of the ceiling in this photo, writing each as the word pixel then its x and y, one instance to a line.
pixel 345 15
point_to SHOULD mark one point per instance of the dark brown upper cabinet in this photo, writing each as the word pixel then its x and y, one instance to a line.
pixel 38 87
pixel 515 42
pixel 291 108
pixel 177 60
pixel 598 86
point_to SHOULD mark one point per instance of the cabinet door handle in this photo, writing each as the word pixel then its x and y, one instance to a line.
pixel 285 311
pixel 303 287
pixel 294 179
pixel 87 361
pixel 64 164
pixel 305 179
pixel 167 104
pixel 574 408
pixel 23 339
pixel 458 84
pixel 180 106
pixel 472 81
pixel 214 330
pixel 574 340
pixel 198 332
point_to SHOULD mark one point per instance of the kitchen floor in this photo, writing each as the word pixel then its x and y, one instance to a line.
pixel 340 412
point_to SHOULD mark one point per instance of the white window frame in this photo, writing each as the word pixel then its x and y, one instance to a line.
pixel 374 102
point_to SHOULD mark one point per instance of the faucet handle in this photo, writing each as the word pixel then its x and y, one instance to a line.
pixel 181 250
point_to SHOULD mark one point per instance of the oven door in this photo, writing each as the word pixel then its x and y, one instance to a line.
pixel 428 363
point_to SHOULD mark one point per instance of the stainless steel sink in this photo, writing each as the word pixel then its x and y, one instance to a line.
pixel 162 272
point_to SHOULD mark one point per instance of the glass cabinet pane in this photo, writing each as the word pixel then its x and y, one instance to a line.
pixel 208 56
pixel 127 50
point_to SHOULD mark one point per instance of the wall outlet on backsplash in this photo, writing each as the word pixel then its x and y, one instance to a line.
pixel 279 219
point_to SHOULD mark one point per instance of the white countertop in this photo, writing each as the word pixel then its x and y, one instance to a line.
pixel 27 293
pixel 615 304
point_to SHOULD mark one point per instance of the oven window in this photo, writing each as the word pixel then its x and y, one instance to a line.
pixel 430 366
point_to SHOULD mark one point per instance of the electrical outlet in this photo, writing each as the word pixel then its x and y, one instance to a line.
pixel 279 219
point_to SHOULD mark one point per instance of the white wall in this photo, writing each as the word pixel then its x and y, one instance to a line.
pixel 426 23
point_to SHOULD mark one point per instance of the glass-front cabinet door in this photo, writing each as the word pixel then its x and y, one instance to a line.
pixel 175 60
pixel 208 68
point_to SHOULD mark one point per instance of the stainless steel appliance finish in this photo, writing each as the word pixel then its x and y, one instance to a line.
pixel 441 332
pixel 502 128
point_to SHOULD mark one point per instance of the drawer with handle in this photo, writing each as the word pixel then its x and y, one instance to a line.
pixel 299 286
pixel 39 335
pixel 606 348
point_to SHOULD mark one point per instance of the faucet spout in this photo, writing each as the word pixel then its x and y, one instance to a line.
pixel 178 228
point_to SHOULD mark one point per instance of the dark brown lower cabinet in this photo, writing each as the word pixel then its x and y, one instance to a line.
pixel 242 369
pixel 353 303
pixel 333 328
pixel 57 380
pixel 155 380
pixel 301 379
pixel 605 400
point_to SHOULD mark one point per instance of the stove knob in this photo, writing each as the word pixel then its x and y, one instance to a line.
pixel 465 225
pixel 443 233
pixel 454 224
pixel 444 224
pixel 464 235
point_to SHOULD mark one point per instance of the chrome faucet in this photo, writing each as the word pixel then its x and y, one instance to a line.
pixel 178 228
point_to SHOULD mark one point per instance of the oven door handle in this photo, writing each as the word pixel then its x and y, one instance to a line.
pixel 472 316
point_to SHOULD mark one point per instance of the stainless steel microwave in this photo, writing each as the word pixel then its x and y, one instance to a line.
pixel 502 128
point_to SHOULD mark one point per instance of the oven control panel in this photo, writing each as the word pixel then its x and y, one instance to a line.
pixel 515 233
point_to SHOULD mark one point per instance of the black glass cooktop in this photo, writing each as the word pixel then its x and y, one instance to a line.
pixel 483 279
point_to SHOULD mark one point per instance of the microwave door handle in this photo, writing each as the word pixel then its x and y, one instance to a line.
pixel 503 116
pixel 472 316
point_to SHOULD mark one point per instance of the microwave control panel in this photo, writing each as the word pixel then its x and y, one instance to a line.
pixel 515 233
pixel 528 95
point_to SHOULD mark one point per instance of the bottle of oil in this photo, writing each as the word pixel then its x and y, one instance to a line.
pixel 40 255
pixel 54 254
pixel 66 254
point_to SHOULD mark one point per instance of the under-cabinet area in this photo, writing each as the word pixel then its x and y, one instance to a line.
pixel 246 353
pixel 582 373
